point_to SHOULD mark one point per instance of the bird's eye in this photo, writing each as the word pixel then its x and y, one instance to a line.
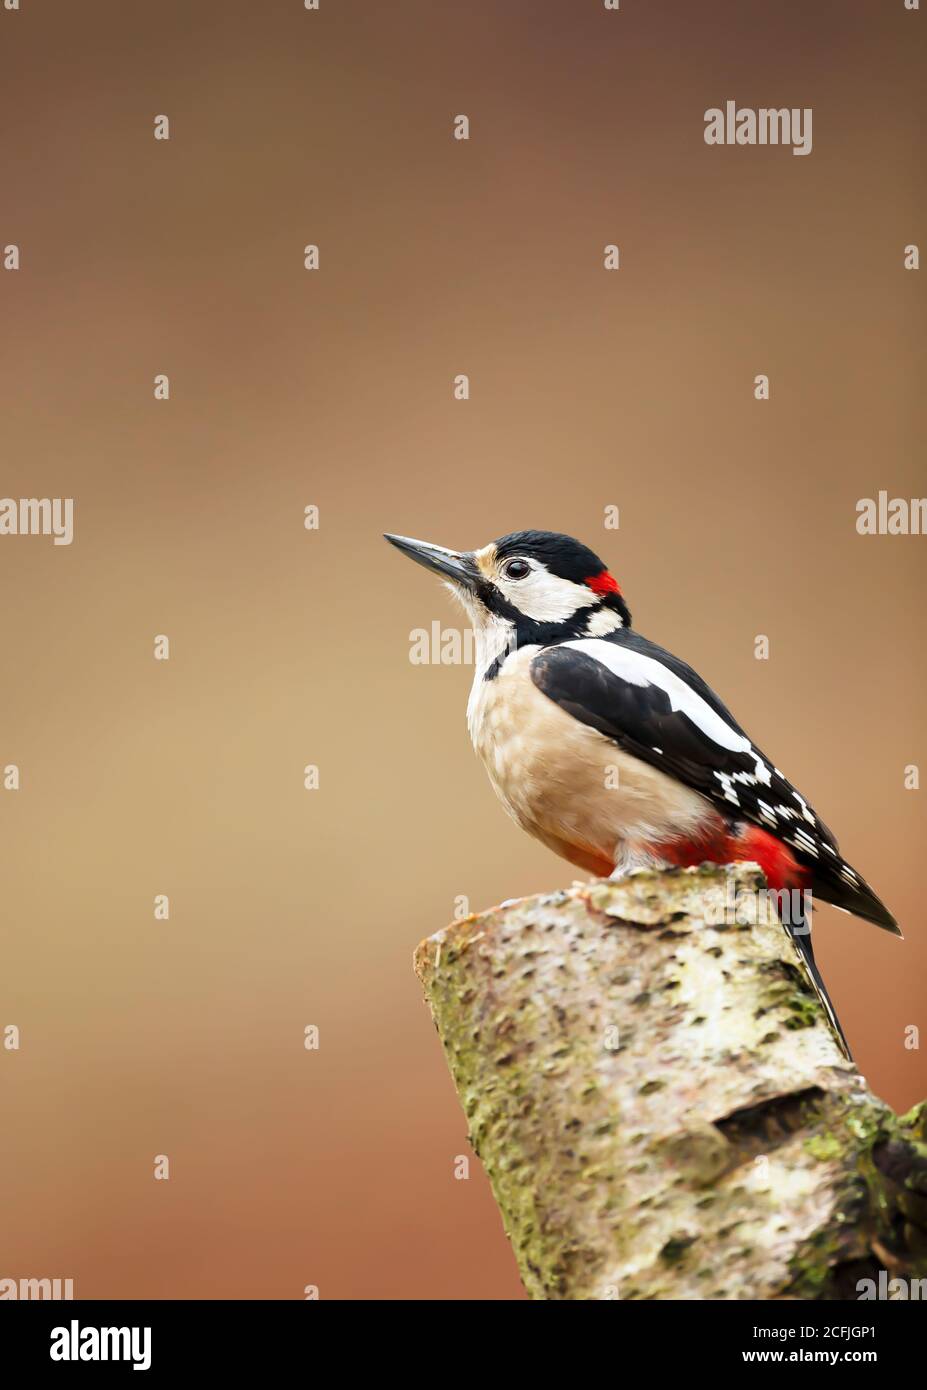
pixel 516 569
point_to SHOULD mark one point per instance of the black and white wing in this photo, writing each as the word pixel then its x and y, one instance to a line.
pixel 656 708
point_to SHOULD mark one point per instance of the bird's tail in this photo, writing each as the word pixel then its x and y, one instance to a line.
pixel 841 885
pixel 800 932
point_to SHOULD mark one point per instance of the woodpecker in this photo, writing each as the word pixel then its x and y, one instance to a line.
pixel 613 752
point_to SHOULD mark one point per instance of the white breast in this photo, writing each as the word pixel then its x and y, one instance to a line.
pixel 566 783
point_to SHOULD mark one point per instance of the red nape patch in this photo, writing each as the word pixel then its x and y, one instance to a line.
pixel 602 583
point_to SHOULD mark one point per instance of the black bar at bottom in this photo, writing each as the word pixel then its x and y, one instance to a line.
pixel 163 1337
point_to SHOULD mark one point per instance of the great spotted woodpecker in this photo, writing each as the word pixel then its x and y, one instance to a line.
pixel 613 752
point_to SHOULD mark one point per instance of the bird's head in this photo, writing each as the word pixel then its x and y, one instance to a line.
pixel 537 586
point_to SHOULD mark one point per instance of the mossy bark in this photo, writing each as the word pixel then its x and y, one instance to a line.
pixel 659 1102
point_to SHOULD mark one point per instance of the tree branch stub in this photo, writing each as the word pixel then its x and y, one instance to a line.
pixel 658 1100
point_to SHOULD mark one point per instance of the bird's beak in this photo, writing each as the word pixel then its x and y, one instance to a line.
pixel 455 565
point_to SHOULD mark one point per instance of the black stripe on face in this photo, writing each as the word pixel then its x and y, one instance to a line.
pixel 528 631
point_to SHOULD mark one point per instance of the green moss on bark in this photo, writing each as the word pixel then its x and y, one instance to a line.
pixel 659 1102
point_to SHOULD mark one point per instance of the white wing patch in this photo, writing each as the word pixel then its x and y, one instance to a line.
pixel 797 827
pixel 638 669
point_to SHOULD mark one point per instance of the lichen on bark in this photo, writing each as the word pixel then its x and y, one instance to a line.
pixel 659 1102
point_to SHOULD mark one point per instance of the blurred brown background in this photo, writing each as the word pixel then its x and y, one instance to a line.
pixel 290 647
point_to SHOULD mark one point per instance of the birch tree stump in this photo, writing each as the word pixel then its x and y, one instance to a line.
pixel 659 1102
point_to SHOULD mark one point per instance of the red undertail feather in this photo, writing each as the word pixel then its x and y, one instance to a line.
pixel 751 844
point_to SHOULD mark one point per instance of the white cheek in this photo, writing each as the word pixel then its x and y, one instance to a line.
pixel 546 599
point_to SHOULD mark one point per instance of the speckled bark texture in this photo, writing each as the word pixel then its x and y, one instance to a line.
pixel 659 1102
